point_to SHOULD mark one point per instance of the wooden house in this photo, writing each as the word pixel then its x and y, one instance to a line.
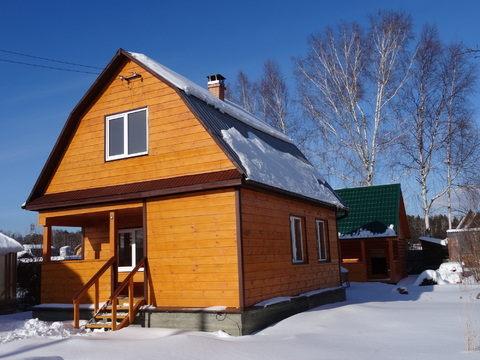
pixel 8 273
pixel 186 198
pixel 373 235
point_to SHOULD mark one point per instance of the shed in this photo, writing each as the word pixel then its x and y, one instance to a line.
pixel 373 235
pixel 8 274
pixel 434 252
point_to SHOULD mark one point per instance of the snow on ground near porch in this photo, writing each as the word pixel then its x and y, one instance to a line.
pixel 376 322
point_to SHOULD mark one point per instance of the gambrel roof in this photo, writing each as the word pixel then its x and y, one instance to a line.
pixel 263 156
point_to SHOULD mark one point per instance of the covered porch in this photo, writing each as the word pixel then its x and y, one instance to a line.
pixel 114 242
pixel 372 259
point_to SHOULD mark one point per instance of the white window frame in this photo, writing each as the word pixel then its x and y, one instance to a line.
pixel 125 118
pixel 321 228
pixel 132 232
pixel 296 223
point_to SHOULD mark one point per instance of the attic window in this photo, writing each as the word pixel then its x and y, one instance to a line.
pixel 126 134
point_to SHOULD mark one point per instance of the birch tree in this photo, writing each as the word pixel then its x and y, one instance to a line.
pixel 350 84
pixel 425 106
pixel 439 144
pixel 244 93
pixel 462 140
pixel 274 95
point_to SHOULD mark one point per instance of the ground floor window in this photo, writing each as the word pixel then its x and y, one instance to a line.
pixel 297 238
pixel 322 246
pixel 130 248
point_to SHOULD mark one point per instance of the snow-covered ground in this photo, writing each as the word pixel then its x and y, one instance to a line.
pixel 376 322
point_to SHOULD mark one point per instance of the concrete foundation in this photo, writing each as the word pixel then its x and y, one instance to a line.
pixel 232 322
pixel 237 323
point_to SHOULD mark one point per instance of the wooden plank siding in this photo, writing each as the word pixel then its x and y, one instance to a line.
pixel 178 143
pixel 192 250
pixel 62 280
pixel 364 250
pixel 225 247
pixel 267 251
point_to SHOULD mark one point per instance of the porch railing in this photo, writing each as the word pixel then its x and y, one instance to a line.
pixel 94 281
pixel 129 281
pixel 113 300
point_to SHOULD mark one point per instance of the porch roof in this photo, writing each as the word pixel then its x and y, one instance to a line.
pixel 137 190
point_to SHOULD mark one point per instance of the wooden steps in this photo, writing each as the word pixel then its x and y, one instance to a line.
pixel 120 309
pixel 115 316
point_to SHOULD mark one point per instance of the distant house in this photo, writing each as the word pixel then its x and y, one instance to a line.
pixel 464 242
pixel 199 204
pixel 373 235
pixel 8 273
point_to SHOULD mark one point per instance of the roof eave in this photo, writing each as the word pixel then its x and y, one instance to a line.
pixel 138 191
pixel 255 184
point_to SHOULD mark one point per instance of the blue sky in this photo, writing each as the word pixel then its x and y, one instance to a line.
pixel 194 38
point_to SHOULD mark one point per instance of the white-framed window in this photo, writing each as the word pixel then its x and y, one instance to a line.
pixel 126 134
pixel 296 233
pixel 322 246
pixel 130 248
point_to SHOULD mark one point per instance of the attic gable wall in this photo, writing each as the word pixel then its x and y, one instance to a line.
pixel 178 144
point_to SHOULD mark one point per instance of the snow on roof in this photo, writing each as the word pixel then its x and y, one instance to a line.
pixel 443 242
pixel 203 94
pixel 9 245
pixel 362 233
pixel 284 171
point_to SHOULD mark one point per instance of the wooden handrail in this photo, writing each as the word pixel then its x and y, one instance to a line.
pixel 93 281
pixel 113 300
pixel 128 281
pixel 129 276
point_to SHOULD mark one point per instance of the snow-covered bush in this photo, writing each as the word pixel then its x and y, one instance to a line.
pixel 447 273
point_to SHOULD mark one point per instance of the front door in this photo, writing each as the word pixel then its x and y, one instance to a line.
pixel 130 248
pixel 377 261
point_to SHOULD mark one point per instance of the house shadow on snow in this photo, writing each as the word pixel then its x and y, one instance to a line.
pixel 28 349
pixel 359 293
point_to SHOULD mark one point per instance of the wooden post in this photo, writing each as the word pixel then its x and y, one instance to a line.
pixel 114 313
pixel 76 313
pixel 391 259
pixel 131 295
pixel 113 235
pixel 97 297
pixel 47 243
pixel 145 252
pixel 364 260
pixel 241 283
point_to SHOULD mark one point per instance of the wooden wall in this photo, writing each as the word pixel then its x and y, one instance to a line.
pixel 192 247
pixel 392 249
pixel 8 277
pixel 178 143
pixel 63 279
pixel 267 253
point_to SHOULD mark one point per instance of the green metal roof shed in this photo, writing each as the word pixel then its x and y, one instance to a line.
pixel 372 235
pixel 374 209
